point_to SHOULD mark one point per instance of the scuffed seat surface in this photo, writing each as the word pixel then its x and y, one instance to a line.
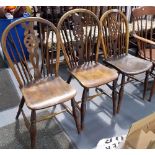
pixel 47 92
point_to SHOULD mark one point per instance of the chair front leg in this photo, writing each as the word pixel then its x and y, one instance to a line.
pixel 20 107
pixel 152 90
pixel 33 130
pixel 145 83
pixel 83 106
pixel 76 115
pixel 114 96
pixel 121 93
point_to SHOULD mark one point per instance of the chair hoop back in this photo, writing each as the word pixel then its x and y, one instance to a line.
pixel 144 26
pixel 115 33
pixel 25 43
pixel 80 36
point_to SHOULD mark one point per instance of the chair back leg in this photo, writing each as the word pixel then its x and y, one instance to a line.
pixel 145 84
pixel 20 107
pixel 121 92
pixel 152 90
pixel 33 130
pixel 114 96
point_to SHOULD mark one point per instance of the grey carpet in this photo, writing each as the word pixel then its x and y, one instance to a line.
pixel 49 135
pixel 8 93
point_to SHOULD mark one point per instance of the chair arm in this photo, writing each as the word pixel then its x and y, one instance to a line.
pixel 143 39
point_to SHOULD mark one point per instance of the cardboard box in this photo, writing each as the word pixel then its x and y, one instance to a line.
pixel 141 134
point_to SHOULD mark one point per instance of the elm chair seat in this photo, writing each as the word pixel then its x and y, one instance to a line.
pixel 47 93
pixel 130 64
pixel 93 75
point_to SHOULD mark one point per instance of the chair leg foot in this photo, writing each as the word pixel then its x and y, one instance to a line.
pixel 33 130
pixel 121 92
pixel 76 115
pixel 152 90
pixel 83 106
pixel 20 107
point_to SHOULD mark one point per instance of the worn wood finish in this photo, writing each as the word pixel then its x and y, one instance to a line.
pixel 36 66
pixel 143 19
pixel 94 74
pixel 115 42
pixel 129 64
pixel 80 39
pixel 57 91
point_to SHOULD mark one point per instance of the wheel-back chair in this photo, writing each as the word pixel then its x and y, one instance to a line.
pixel 115 41
pixel 80 39
pixel 36 69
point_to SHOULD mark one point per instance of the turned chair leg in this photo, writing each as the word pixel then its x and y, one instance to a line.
pixel 33 130
pixel 121 93
pixel 76 115
pixel 114 96
pixel 145 84
pixel 83 106
pixel 152 90
pixel 20 107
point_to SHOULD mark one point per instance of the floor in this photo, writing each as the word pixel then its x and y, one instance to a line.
pixel 99 122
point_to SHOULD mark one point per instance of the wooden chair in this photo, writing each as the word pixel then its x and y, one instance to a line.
pixel 115 41
pixel 37 73
pixel 80 39
pixel 144 32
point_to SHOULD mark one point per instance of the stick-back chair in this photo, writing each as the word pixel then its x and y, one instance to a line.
pixel 144 32
pixel 80 38
pixel 115 41
pixel 37 72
